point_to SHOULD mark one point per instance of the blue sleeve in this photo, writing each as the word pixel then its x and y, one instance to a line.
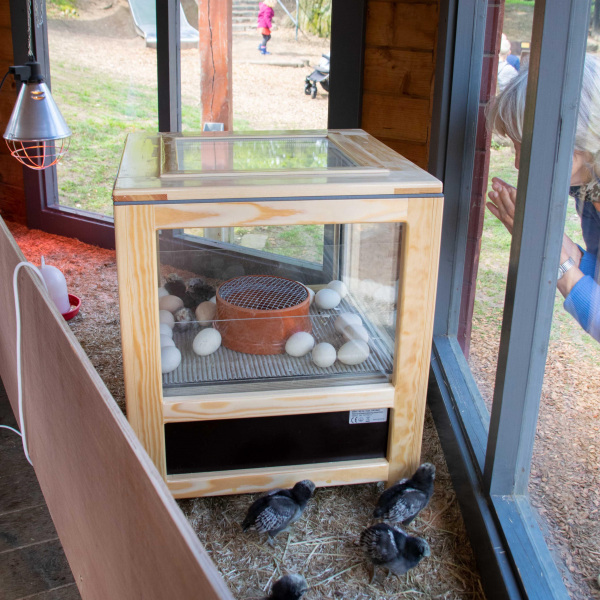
pixel 588 263
pixel 583 302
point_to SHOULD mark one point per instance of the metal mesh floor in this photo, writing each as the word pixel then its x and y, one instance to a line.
pixel 226 365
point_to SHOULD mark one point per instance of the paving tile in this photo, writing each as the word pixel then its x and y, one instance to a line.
pixel 19 487
pixel 33 570
pixel 25 527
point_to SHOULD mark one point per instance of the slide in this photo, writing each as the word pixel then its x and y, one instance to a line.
pixel 144 19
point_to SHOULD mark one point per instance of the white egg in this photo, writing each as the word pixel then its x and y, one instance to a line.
pixel 166 330
pixel 338 286
pixel 205 313
pixel 299 344
pixel 323 355
pixel 355 332
pixel 311 294
pixel 367 287
pixel 170 303
pixel 207 342
pixel 166 340
pixel 386 293
pixel 166 317
pixel 213 300
pixel 162 292
pixel 327 298
pixel 346 319
pixel 353 352
pixel 170 358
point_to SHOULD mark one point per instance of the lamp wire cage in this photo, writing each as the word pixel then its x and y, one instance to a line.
pixel 37 154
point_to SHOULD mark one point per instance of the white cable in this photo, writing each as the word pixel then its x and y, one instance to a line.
pixel 19 374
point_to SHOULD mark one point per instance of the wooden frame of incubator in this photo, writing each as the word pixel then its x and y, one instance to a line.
pixel 414 199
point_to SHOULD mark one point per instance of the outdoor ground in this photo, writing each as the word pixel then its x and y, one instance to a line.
pixel 104 80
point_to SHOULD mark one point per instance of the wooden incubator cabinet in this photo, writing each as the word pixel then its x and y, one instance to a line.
pixel 277 295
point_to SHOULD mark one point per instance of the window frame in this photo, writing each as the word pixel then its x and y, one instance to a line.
pixel 489 455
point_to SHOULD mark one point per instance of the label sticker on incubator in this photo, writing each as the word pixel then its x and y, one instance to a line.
pixel 376 415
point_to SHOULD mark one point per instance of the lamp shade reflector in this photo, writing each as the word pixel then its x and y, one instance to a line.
pixel 35 116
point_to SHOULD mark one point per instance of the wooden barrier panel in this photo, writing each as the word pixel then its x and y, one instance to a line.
pixel 122 532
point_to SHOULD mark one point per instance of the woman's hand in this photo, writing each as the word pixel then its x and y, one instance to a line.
pixel 502 202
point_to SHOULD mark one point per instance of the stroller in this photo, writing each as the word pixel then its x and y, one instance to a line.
pixel 319 75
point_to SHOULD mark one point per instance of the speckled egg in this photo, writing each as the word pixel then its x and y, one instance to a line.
pixel 338 286
pixel 346 319
pixel 170 303
pixel 327 299
pixel 205 313
pixel 323 355
pixel 207 342
pixel 170 358
pixel 299 344
pixel 353 352
pixel 355 332
pixel 166 317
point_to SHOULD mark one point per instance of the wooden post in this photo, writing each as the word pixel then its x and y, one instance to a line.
pixel 215 43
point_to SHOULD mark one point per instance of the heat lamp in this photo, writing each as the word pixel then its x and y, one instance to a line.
pixel 36 134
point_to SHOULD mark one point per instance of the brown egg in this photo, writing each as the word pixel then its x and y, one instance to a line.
pixel 205 313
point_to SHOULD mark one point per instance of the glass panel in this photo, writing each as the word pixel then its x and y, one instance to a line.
pixel 270 92
pixel 194 155
pixel 304 242
pixel 104 82
pixel 564 485
pixel 494 249
pixel 565 482
pixel 240 316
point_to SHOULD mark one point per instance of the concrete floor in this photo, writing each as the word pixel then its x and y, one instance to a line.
pixel 32 562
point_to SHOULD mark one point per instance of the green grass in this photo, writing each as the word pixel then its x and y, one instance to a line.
pixel 296 241
pixel 518 20
pixel 101 112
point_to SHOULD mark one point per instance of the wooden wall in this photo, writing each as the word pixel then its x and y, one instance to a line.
pixel 401 37
pixel 12 196
pixel 122 532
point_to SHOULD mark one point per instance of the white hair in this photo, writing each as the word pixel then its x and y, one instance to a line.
pixel 505 112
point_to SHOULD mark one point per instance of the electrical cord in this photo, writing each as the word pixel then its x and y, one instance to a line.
pixel 19 374
pixel 4 78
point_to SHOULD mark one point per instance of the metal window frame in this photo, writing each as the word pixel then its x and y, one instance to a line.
pixel 41 187
pixel 489 456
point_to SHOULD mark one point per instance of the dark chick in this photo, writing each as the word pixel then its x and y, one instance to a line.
pixel 275 510
pixel 197 291
pixel 392 549
pixel 289 587
pixel 405 500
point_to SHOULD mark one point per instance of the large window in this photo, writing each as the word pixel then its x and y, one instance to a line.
pixel 118 69
pixel 492 410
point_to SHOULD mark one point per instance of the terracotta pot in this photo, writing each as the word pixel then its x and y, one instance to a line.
pixel 256 314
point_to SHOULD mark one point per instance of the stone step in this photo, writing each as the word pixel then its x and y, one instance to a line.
pixel 243 20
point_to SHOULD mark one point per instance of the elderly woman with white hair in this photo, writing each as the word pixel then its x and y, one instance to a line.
pixel 579 270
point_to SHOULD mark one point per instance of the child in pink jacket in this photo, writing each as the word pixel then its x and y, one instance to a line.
pixel 265 16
